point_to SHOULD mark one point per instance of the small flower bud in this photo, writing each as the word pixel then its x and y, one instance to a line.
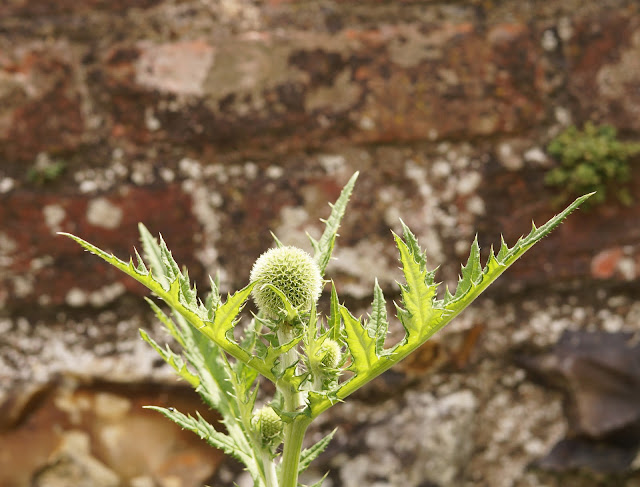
pixel 290 270
pixel 330 353
pixel 268 424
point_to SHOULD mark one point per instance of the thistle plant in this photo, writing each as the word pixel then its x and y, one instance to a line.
pixel 314 361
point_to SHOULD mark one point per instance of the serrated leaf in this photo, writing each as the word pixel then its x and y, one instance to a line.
pixel 361 346
pixel 140 267
pixel 151 250
pixel 273 354
pixel 334 320
pixel 310 454
pixel 319 482
pixel 220 330
pixel 497 264
pixel 171 269
pixel 421 313
pixel 213 300
pixel 208 433
pixel 419 256
pixel 471 274
pixel 174 360
pixel 418 315
pixel 377 326
pixel 323 248
pixel 414 248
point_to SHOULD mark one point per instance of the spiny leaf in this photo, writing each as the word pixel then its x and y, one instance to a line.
pixel 274 353
pixel 361 346
pixel 323 248
pixel 172 271
pixel 471 273
pixel 213 300
pixel 204 356
pixel 319 482
pixel 334 321
pixel 419 316
pixel 173 360
pixel 141 268
pixel 497 264
pixel 220 330
pixel 414 247
pixel 208 433
pixel 377 326
pixel 153 254
pixel 311 453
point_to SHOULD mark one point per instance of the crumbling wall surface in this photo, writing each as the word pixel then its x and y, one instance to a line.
pixel 216 122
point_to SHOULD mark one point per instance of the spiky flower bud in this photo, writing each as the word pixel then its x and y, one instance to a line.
pixel 290 270
pixel 330 353
pixel 268 424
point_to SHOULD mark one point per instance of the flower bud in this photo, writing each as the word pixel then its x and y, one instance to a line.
pixel 293 272
pixel 268 424
pixel 330 353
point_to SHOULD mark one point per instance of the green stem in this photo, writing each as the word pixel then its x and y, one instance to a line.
pixel 293 437
pixel 295 430
pixel 285 335
pixel 269 468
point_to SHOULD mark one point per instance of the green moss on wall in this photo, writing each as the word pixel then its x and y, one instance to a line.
pixel 591 159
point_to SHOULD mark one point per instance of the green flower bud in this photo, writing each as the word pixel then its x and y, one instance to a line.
pixel 290 270
pixel 268 424
pixel 330 353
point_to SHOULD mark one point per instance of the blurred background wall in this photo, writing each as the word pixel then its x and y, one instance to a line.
pixel 216 122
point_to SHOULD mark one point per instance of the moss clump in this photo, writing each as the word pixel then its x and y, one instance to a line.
pixel 592 159
pixel 45 171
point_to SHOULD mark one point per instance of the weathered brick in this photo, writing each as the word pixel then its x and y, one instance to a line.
pixel 604 67
pixel 45 8
pixel 43 112
pixel 43 267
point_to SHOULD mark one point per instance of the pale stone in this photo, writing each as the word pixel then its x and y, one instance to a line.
pixel 181 67
pixel 102 213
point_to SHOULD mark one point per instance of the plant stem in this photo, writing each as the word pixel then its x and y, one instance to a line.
pixel 295 430
pixel 293 437
pixel 285 335
pixel 269 467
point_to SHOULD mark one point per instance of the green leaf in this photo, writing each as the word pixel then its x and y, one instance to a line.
pixel 323 248
pixel 174 360
pixel 377 326
pixel 420 312
pixel 471 273
pixel 310 454
pixel 334 320
pixel 361 346
pixel 419 315
pixel 208 433
pixel 319 482
pixel 169 324
pixel 178 296
pixel 153 254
